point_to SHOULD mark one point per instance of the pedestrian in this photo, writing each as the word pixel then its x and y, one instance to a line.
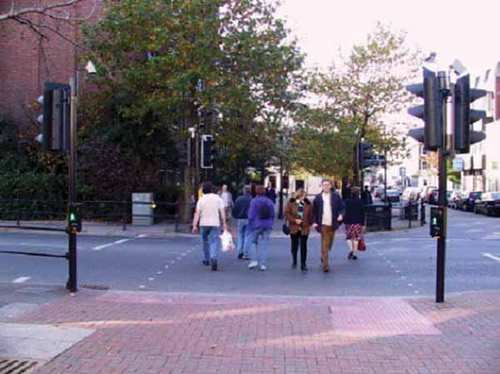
pixel 240 212
pixel 354 222
pixel 299 213
pixel 260 219
pixel 271 193
pixel 366 196
pixel 209 214
pixel 328 211
pixel 227 199
pixel 346 190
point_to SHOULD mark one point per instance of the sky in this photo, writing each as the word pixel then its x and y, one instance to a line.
pixel 469 33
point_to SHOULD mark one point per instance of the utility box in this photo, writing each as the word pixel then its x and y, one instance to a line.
pixel 142 209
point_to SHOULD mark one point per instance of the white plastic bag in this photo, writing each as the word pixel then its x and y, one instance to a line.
pixel 226 241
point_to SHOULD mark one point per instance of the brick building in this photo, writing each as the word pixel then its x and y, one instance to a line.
pixel 27 60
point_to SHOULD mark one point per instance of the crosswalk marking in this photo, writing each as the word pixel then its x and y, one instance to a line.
pixel 21 279
pixel 493 257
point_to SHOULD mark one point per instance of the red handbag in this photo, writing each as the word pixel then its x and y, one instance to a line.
pixel 362 245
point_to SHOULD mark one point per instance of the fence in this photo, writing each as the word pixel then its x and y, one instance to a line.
pixel 91 210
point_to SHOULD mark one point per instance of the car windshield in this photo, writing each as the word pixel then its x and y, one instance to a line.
pixel 495 196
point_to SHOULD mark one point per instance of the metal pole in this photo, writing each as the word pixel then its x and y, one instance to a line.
pixel 72 242
pixel 441 243
pixel 280 211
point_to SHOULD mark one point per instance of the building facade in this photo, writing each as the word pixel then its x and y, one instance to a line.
pixel 29 59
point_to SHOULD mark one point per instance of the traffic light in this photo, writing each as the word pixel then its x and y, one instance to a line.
pixel 366 156
pixel 464 116
pixel 74 219
pixel 55 119
pixel 430 112
pixel 437 224
pixel 207 152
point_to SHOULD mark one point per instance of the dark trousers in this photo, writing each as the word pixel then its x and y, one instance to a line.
pixel 296 238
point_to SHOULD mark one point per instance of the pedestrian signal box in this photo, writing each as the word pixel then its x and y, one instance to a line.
pixel 436 227
pixel 74 219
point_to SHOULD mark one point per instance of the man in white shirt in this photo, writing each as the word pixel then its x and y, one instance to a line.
pixel 209 213
pixel 328 210
pixel 227 198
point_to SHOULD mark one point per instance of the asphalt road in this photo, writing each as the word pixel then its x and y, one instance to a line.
pixel 397 263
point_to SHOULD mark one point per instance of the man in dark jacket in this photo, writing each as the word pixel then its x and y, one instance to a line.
pixel 366 196
pixel 328 211
pixel 240 212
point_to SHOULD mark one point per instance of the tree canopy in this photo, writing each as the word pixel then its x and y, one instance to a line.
pixel 352 99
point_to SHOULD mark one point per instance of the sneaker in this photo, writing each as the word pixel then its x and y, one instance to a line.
pixel 350 255
pixel 252 264
pixel 214 265
pixel 263 267
pixel 246 258
pixel 240 256
pixel 354 257
pixel 205 262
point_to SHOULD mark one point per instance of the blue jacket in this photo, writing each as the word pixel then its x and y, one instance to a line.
pixel 354 211
pixel 337 207
pixel 253 213
pixel 241 206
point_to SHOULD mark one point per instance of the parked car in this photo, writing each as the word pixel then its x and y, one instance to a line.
pixel 433 197
pixel 488 204
pixel 453 199
pixel 379 191
pixel 468 203
pixel 411 193
pixel 393 196
pixel 427 193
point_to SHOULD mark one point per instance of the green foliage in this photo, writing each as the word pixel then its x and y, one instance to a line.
pixel 354 99
pixel 226 54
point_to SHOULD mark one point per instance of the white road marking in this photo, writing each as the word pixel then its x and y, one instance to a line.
pixel 151 279
pixel 159 272
pixel 410 284
pixel 21 279
pixel 493 257
pixel 121 241
pixel 142 286
pixel 172 262
pixel 166 266
pixel 179 258
pixel 141 236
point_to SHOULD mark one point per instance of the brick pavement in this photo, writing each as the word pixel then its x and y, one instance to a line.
pixel 149 333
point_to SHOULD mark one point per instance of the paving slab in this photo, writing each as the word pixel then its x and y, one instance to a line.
pixel 155 332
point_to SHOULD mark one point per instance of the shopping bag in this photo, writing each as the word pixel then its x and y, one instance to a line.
pixel 362 245
pixel 227 243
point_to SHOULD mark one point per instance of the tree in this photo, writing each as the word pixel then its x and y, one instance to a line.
pixel 49 15
pixel 353 99
pixel 162 63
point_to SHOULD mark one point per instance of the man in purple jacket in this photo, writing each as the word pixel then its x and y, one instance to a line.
pixel 260 219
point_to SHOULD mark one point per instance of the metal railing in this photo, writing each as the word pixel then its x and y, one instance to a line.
pixel 19 210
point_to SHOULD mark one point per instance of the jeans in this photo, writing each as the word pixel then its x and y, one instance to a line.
pixel 244 236
pixel 260 236
pixel 210 242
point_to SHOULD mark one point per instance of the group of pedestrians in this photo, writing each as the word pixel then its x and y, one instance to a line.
pixel 255 218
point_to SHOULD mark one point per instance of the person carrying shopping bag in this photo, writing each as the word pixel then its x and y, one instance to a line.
pixel 354 222
pixel 298 212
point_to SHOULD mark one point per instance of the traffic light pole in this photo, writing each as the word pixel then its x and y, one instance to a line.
pixel 72 241
pixel 443 155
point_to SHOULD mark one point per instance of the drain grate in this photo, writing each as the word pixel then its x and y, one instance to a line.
pixel 17 366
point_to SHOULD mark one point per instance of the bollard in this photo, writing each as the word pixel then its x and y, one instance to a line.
pixel 124 216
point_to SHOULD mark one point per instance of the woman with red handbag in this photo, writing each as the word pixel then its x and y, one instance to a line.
pixel 354 220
